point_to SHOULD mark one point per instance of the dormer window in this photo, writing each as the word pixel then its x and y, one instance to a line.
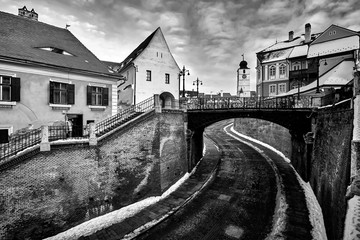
pixel 56 50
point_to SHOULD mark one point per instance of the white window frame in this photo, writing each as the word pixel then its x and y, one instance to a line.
pixel 282 85
pixel 272 93
pixel 272 74
pixel 282 70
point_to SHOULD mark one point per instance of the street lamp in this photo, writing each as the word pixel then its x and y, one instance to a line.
pixel 318 72
pixel 197 81
pixel 182 73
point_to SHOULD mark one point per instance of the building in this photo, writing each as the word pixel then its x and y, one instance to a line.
pixel 48 76
pixel 308 64
pixel 150 69
pixel 243 79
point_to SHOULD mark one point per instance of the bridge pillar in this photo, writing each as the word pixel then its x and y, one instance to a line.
pixel 92 135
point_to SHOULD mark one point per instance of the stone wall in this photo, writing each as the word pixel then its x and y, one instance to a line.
pixel 53 191
pixel 330 172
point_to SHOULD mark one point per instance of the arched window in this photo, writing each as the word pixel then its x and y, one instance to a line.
pixel 272 72
pixel 282 70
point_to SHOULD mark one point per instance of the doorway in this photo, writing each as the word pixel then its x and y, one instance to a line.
pixel 77 124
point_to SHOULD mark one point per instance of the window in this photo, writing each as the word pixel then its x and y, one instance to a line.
pixel 97 96
pixel 62 93
pixel 148 75
pixel 9 88
pixel 272 72
pixel 244 71
pixel 282 87
pixel 282 70
pixel 272 89
pixel 4 136
pixel 167 78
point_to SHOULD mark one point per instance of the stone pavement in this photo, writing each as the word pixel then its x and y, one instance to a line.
pixel 139 223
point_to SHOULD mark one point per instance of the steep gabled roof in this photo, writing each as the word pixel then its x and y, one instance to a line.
pixel 133 55
pixel 25 40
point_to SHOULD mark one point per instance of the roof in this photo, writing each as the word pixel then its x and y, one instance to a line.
pixel 334 46
pixel 114 66
pixel 276 55
pixel 299 51
pixel 338 76
pixel 132 56
pixel 23 39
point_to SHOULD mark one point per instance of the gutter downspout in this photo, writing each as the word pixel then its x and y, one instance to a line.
pixel 134 83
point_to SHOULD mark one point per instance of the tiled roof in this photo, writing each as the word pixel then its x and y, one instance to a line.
pixel 21 39
pixel 132 56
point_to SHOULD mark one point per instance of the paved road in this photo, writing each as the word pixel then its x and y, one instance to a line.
pixel 239 203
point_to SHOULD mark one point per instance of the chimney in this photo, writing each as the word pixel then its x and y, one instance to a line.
pixel 307 32
pixel 23 12
pixel 291 35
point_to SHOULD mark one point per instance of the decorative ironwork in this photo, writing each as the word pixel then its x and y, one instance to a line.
pixel 19 142
pixel 246 103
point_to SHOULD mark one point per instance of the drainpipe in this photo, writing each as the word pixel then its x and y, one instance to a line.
pixel 134 83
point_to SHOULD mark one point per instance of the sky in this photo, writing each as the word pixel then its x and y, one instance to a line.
pixel 208 37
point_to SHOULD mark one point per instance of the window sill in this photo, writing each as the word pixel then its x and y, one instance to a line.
pixel 6 104
pixel 97 108
pixel 60 106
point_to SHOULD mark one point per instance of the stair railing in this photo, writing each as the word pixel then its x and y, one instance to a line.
pixel 114 121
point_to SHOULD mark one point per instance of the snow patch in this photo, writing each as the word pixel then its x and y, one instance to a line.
pixel 352 220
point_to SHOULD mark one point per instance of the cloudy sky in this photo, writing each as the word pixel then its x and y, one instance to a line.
pixel 207 36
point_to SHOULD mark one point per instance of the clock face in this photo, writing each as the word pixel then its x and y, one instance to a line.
pixel 244 76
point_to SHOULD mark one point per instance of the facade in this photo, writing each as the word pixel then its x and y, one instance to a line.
pixel 150 69
pixel 311 64
pixel 243 80
pixel 47 77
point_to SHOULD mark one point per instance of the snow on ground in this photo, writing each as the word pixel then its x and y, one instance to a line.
pixel 101 222
pixel 352 221
pixel 316 217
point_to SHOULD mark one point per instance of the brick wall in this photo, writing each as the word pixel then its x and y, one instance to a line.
pixel 53 191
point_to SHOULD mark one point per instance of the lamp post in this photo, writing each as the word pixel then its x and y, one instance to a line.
pixel 318 72
pixel 182 73
pixel 197 81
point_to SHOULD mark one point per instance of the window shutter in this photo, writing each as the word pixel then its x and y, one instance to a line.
pixel 105 95
pixel 15 89
pixel 88 95
pixel 71 94
pixel 51 100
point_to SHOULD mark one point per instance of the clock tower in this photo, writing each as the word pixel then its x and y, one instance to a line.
pixel 243 79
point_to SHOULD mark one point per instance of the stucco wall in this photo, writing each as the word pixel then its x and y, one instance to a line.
pixel 55 190
pixel 34 107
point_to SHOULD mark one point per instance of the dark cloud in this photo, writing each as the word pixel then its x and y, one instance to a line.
pixel 207 36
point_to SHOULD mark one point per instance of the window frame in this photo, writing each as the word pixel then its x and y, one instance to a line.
pixel 282 70
pixel 67 90
pixel 148 75
pixel 97 96
pixel 272 93
pixel 280 86
pixel 272 72
pixel 14 89
pixel 167 78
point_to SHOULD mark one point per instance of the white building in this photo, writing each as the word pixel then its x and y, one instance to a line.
pixel 150 69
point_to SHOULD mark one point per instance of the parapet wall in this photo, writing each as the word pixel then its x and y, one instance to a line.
pixel 53 191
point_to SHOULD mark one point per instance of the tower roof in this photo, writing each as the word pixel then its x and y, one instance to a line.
pixel 243 65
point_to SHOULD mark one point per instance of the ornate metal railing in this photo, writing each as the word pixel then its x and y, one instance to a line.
pixel 19 142
pixel 245 103
pixel 116 120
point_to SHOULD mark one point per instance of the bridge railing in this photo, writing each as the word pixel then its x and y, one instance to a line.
pixel 246 102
